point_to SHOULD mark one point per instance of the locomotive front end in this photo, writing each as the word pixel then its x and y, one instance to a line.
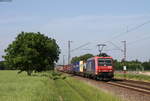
pixel 105 67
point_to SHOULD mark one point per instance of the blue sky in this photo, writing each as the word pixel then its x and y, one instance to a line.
pixel 82 21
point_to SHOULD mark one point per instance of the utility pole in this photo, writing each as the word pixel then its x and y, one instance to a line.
pixel 69 54
pixel 124 59
pixel 63 60
pixel 124 51
pixel 100 47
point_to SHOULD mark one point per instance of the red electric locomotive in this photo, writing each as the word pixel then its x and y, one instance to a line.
pixel 100 68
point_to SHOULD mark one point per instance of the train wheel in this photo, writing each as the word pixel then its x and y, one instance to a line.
pixel 101 78
pixel 95 77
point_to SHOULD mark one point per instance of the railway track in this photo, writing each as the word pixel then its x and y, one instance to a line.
pixel 139 86
pixel 128 90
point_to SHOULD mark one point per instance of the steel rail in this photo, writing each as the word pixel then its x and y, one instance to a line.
pixel 144 90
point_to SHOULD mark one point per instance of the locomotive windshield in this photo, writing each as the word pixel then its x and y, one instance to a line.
pixel 104 62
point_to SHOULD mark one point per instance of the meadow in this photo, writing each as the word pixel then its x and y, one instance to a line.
pixel 48 86
pixel 133 76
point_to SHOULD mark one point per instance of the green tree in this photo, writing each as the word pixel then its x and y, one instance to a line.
pixel 32 52
pixel 131 65
pixel 82 57
pixel 2 65
pixel 75 59
pixel 146 65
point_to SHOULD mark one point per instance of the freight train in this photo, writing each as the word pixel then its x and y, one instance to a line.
pixel 100 68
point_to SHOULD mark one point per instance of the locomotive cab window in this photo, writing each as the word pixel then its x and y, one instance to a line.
pixel 108 62
pixel 104 62
pixel 101 62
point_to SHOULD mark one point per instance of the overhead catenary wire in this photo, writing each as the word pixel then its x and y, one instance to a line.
pixel 80 46
pixel 118 48
pixel 130 30
pixel 125 32
pixel 121 34
pixel 117 36
pixel 135 41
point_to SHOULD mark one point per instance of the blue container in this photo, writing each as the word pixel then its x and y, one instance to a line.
pixel 76 67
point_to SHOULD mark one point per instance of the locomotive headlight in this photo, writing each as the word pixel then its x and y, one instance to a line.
pixel 109 67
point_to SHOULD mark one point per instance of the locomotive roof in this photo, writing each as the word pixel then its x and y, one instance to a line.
pixel 96 57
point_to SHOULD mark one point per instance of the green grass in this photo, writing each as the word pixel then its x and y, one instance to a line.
pixel 47 86
pixel 14 87
pixel 140 77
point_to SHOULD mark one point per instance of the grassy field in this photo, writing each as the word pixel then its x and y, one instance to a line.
pixel 140 77
pixel 47 87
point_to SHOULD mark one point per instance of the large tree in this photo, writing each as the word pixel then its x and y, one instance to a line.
pixel 32 52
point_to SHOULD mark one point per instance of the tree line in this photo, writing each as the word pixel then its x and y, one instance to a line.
pixel 133 65
pixel 86 56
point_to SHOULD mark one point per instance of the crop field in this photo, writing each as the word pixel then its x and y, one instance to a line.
pixel 140 77
pixel 47 86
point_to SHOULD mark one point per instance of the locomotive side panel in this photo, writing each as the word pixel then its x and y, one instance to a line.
pixel 90 66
